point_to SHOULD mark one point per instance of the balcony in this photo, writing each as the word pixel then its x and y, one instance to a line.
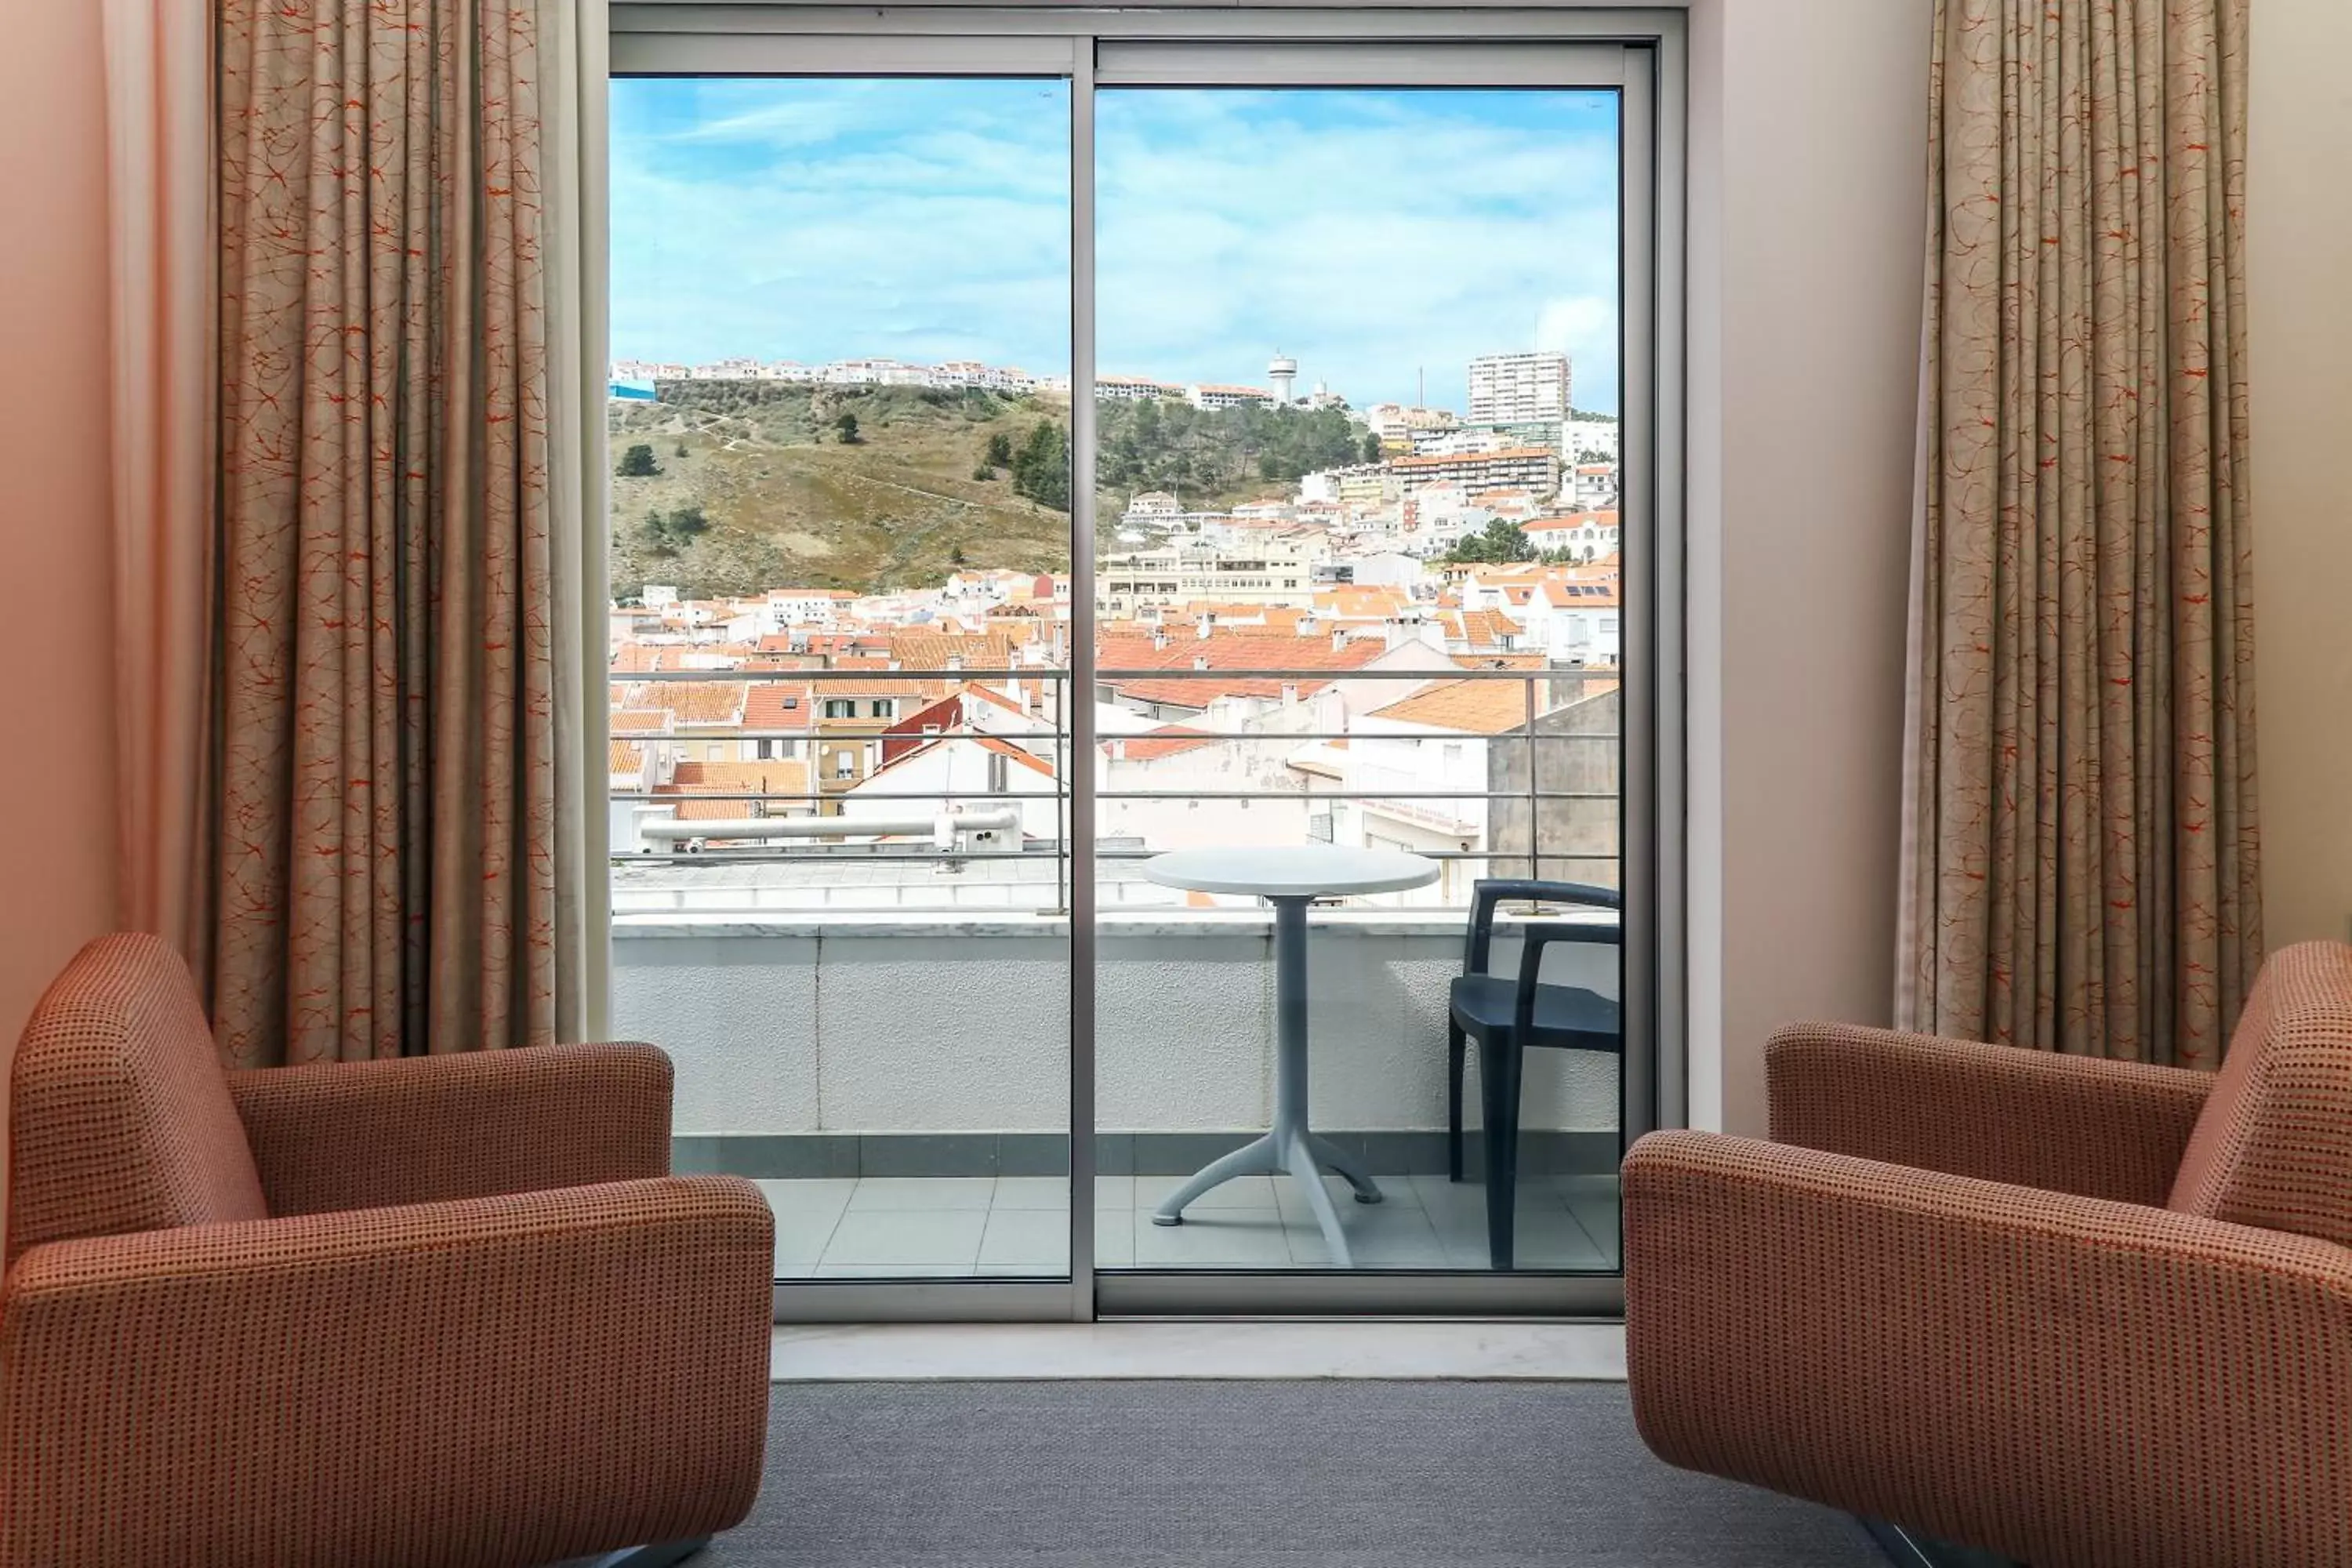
pixel 874 1021
pixel 927 1051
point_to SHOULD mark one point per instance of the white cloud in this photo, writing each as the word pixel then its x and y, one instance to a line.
pixel 1584 327
pixel 1366 235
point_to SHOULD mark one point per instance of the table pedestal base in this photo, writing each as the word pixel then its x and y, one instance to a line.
pixel 1302 1155
pixel 1290 1150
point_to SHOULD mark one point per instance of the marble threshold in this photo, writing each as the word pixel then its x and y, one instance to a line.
pixel 1468 1350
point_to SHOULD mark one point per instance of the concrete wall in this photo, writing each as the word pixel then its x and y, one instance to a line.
pixel 948 1024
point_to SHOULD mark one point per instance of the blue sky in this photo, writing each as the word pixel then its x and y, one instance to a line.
pixel 1366 234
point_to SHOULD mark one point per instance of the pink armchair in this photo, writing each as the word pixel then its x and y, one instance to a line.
pixel 2073 1311
pixel 433 1313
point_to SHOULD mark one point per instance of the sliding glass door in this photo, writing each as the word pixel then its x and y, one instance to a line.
pixel 840 542
pixel 1137 574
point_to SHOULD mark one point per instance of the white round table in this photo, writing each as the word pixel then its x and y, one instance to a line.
pixel 1288 876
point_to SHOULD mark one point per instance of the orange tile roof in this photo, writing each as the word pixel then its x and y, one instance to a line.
pixel 625 758
pixel 1185 684
pixel 1473 707
pixel 1027 759
pixel 705 704
pixel 701 788
pixel 1486 628
pixel 883 686
pixel 919 647
pixel 638 720
pixel 1167 741
pixel 779 705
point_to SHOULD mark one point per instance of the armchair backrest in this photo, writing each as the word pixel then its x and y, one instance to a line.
pixel 2274 1144
pixel 120 1117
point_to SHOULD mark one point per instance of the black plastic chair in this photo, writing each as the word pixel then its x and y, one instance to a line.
pixel 1506 1016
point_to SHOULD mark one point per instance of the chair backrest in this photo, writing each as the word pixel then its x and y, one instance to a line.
pixel 1487 894
pixel 120 1118
pixel 2274 1144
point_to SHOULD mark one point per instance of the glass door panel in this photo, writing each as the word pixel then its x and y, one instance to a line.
pixel 839 425
pixel 1360 647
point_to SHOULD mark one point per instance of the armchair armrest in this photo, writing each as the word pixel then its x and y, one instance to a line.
pixel 1490 891
pixel 2073 1124
pixel 415 1130
pixel 2061 1379
pixel 489 1381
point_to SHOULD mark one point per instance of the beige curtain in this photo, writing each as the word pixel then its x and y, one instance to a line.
pixel 159 121
pixel 2080 864
pixel 390 869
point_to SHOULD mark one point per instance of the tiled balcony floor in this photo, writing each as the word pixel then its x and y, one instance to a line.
pixel 935 1226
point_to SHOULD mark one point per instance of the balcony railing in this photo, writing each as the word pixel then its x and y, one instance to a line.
pixel 1537 793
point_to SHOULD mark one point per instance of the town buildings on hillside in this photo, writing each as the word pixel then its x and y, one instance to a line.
pixel 1313 665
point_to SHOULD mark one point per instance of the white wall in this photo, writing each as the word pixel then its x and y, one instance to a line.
pixel 1807 216
pixel 950 1024
pixel 57 706
pixel 2299 273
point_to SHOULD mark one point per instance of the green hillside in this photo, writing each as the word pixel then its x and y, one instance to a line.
pixel 755 488
pixel 752 485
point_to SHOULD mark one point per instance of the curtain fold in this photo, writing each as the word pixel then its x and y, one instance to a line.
pixel 391 610
pixel 2080 867
pixel 159 116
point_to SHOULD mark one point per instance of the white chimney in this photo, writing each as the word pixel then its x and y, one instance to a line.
pixel 1118 749
pixel 1290 694
pixel 1338 639
pixel 1200 661
pixel 1159 636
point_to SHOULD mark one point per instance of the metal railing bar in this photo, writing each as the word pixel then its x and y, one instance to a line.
pixel 1172 672
pixel 858 854
pixel 1128 795
pixel 1516 732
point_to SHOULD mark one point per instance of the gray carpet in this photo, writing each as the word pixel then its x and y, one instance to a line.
pixel 1249 1475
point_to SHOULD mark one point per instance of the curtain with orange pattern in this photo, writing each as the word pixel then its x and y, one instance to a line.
pixel 2081 854
pixel 384 873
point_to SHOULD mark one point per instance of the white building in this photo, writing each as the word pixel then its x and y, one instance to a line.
pixel 1534 469
pixel 1208 395
pixel 1518 388
pixel 1154 508
pixel 1395 424
pixel 1584 535
pixel 1267 569
pixel 1579 436
pixel 787 607
pixel 1133 389
pixel 1443 443
pixel 964 769
pixel 1592 486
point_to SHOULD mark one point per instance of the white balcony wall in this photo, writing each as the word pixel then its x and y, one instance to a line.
pixel 913 1024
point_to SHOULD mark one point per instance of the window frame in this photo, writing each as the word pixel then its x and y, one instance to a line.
pixel 1481 44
